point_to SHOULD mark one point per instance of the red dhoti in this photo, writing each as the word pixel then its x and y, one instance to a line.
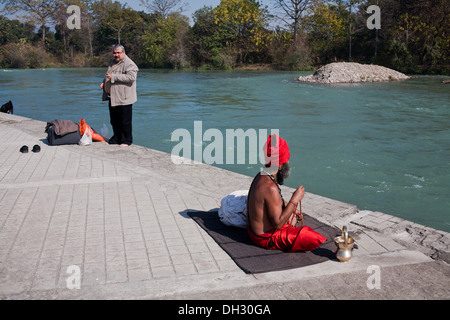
pixel 288 238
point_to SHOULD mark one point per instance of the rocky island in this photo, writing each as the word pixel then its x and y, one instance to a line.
pixel 350 72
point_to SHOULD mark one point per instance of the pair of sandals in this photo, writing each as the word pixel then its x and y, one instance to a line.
pixel 35 149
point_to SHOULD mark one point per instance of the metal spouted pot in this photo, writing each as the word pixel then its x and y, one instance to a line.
pixel 345 246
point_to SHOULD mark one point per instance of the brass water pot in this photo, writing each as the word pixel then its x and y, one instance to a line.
pixel 344 246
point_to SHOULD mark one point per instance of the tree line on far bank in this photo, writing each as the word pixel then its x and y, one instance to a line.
pixel 293 35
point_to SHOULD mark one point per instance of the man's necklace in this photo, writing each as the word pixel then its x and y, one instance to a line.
pixel 276 183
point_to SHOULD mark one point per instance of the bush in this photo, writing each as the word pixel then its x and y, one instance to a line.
pixel 222 61
pixel 23 55
pixel 298 58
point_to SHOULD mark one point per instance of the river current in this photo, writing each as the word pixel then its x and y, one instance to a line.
pixel 381 146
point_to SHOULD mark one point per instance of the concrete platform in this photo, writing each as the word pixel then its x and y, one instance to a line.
pixel 101 222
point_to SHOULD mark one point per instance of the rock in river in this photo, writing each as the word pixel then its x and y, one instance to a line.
pixel 350 72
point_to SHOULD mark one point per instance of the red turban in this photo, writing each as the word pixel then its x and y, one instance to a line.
pixel 276 149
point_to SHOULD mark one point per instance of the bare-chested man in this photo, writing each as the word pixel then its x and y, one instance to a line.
pixel 271 221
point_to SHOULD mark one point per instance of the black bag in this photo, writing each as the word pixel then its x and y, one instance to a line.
pixel 55 140
pixel 7 108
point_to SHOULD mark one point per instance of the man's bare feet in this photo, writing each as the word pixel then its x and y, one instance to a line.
pixel 124 146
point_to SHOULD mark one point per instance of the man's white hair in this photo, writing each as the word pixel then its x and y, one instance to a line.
pixel 119 46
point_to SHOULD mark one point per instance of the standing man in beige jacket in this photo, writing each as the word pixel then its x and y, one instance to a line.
pixel 119 88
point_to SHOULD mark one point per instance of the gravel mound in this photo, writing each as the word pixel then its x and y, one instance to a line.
pixel 350 72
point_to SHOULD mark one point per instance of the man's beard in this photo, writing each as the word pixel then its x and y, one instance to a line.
pixel 283 173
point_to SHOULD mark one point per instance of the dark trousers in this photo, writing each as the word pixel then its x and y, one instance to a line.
pixel 122 124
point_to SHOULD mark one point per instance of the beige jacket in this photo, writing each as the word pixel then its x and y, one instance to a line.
pixel 123 83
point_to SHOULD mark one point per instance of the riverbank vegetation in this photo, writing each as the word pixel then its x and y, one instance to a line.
pixel 291 35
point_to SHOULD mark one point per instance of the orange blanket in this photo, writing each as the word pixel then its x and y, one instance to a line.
pixel 83 126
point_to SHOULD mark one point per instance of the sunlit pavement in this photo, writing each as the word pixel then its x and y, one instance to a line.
pixel 104 222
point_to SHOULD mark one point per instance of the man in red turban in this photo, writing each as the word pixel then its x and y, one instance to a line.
pixel 271 221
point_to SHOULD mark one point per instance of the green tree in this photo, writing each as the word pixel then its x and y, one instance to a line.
pixel 11 31
pixel 117 24
pixel 72 42
pixel 208 40
pixel 163 42
pixel 414 36
pixel 326 27
pixel 36 11
pixel 244 23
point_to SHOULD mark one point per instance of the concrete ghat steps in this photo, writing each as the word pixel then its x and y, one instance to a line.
pixel 118 216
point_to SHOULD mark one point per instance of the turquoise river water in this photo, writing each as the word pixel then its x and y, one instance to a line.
pixel 381 146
